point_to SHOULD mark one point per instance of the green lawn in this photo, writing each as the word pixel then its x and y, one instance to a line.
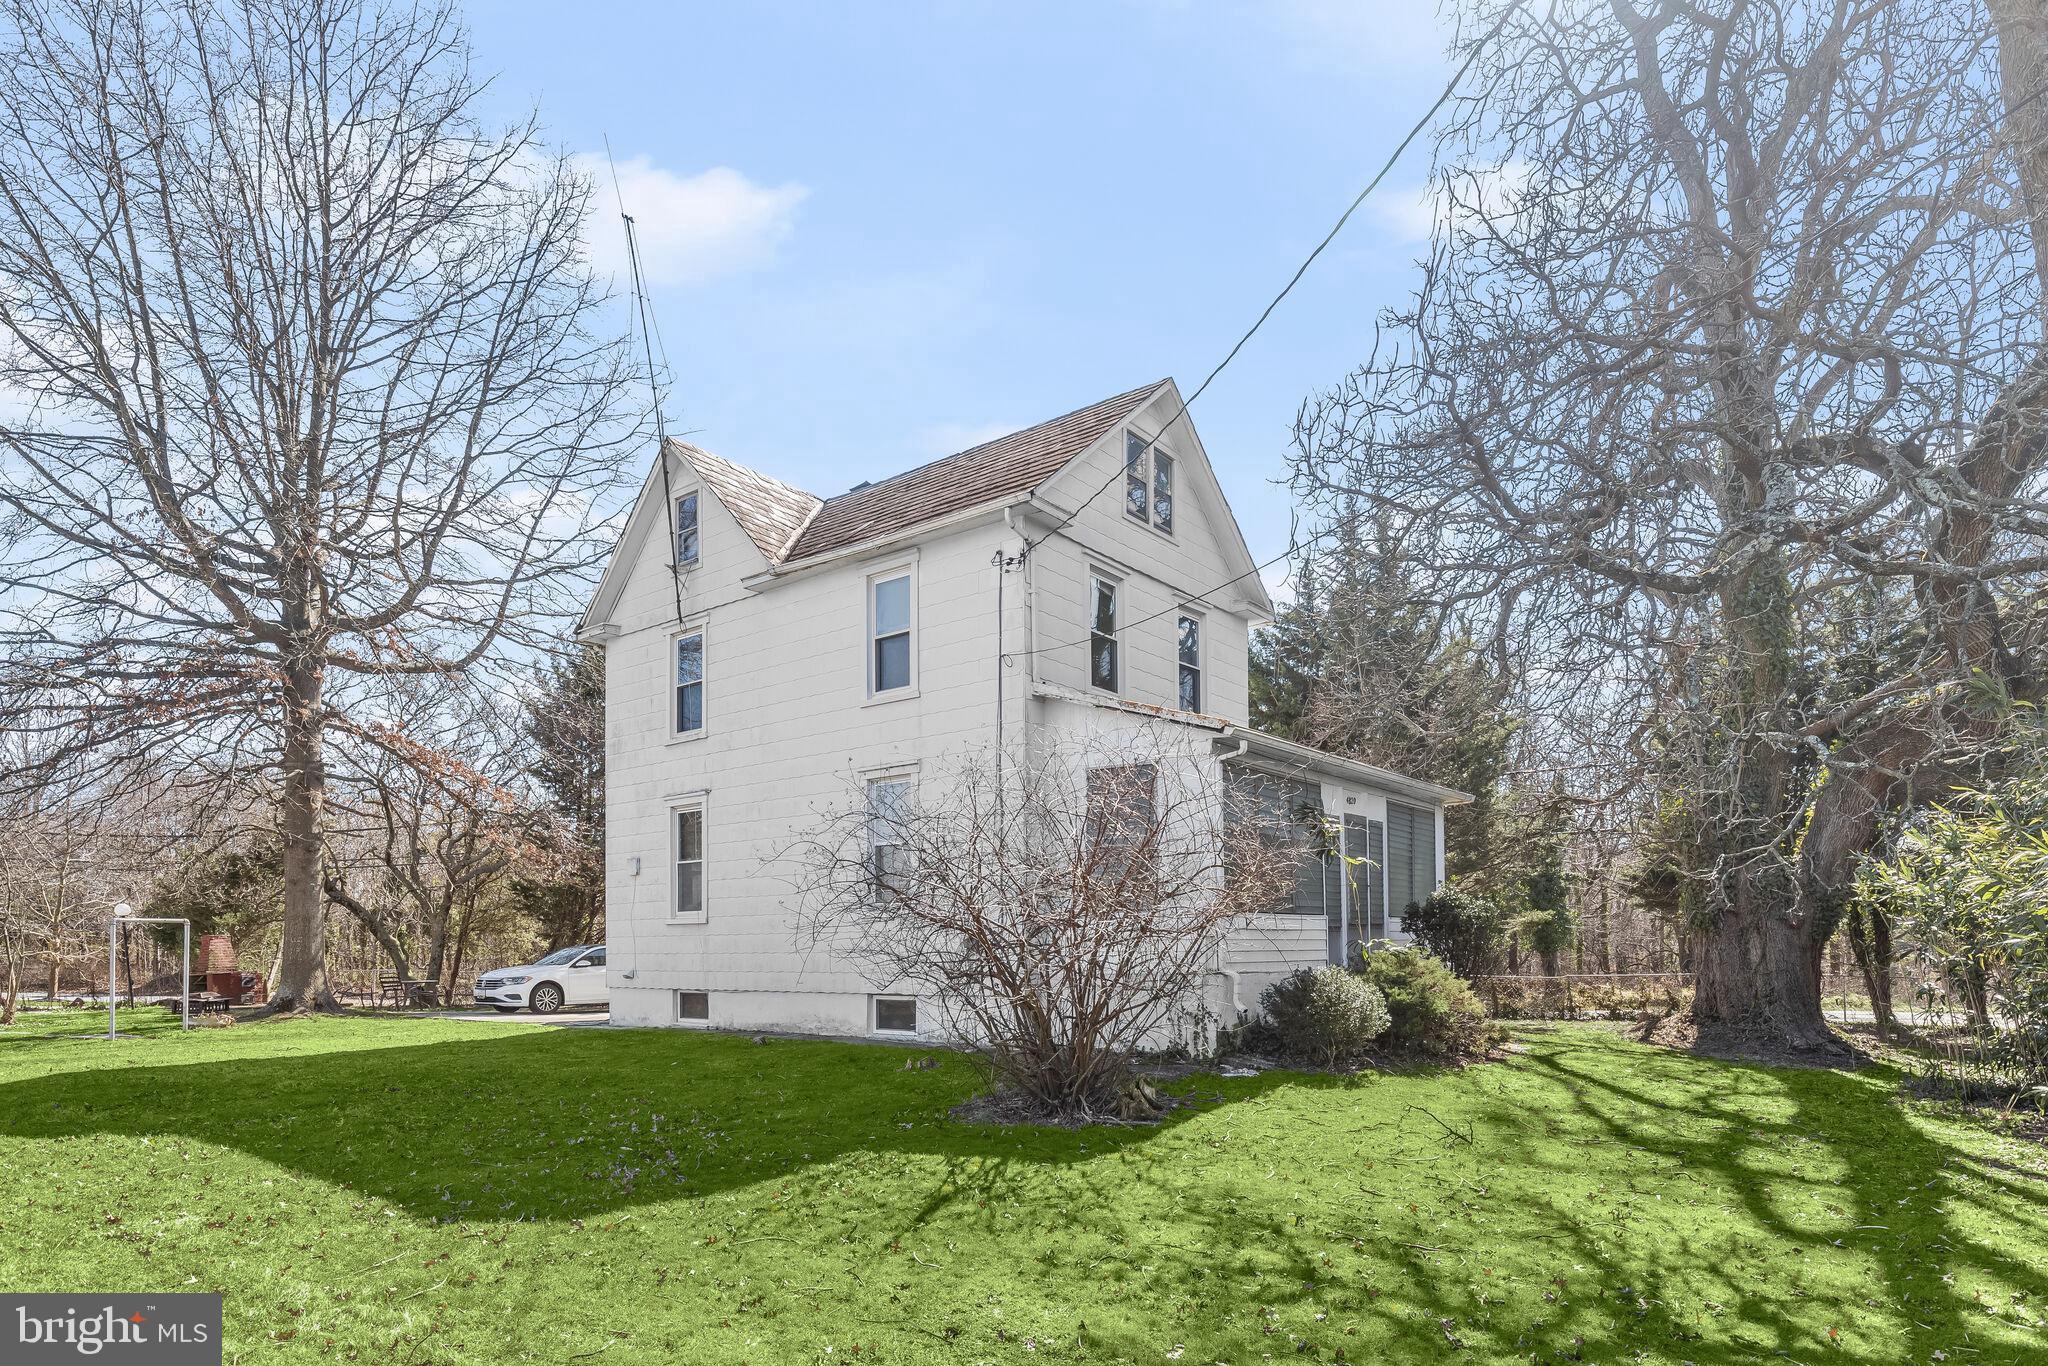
pixel 435 1191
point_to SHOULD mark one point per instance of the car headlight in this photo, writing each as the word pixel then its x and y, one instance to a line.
pixel 512 981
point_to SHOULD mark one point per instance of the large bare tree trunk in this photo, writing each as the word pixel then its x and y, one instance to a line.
pixel 302 972
pixel 1759 974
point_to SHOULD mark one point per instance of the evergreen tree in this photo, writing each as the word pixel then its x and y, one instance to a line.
pixel 564 722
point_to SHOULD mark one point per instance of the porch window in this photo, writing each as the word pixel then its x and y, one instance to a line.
pixel 1288 814
pixel 1411 856
pixel 1102 642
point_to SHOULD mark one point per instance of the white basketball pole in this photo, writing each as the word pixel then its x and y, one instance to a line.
pixel 124 914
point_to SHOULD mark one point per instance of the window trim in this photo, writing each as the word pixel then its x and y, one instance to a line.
pixel 875 1025
pixel 700 804
pixel 1115 584
pixel 1201 664
pixel 701 631
pixel 876 778
pixel 676 511
pixel 899 569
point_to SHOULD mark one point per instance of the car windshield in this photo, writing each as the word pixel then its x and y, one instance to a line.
pixel 558 957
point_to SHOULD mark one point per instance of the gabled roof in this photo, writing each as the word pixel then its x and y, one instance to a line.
pixel 1011 464
pixel 788 525
pixel 768 510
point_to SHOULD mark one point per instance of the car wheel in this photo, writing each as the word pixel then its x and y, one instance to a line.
pixel 546 999
pixel 506 1010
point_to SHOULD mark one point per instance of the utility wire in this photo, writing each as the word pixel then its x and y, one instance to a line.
pixel 1346 523
pixel 1450 88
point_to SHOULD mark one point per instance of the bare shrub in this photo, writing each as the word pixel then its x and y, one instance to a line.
pixel 1063 906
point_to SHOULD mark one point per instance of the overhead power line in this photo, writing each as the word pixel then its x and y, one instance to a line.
pixel 1415 131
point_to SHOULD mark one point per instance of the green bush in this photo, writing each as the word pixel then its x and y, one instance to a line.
pixel 1467 931
pixel 1435 1012
pixel 1323 1016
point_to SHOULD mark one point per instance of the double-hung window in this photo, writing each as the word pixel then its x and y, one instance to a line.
pixel 1190 648
pixel 1103 671
pixel 888 813
pixel 1137 490
pixel 890 655
pixel 1148 482
pixel 1123 815
pixel 689 708
pixel 686 529
pixel 687 832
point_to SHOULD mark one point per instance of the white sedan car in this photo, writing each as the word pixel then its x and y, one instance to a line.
pixel 567 977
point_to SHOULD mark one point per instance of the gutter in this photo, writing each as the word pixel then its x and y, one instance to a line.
pixel 1260 744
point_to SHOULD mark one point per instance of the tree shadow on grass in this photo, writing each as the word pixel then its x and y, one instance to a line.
pixel 1825 1164
pixel 556 1124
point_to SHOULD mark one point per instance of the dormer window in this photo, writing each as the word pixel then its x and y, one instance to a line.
pixel 1148 482
pixel 686 529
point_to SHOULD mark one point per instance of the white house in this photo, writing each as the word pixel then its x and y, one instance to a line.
pixel 766 650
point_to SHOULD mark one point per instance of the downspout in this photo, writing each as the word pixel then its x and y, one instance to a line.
pixel 1229 974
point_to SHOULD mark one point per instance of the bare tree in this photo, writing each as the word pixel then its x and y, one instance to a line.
pixel 314 390
pixel 1729 331
pixel 428 820
pixel 1062 906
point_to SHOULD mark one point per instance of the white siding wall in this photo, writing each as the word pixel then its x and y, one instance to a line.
pixel 1159 575
pixel 790 728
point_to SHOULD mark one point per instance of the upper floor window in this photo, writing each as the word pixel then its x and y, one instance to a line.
pixel 1190 647
pixel 1136 487
pixel 686 529
pixel 889 617
pixel 689 683
pixel 1148 482
pixel 1102 641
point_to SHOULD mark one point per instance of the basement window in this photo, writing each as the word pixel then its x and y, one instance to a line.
pixel 895 1015
pixel 693 1005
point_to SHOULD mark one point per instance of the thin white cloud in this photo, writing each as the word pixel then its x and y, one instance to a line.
pixel 1354 36
pixel 1411 213
pixel 692 228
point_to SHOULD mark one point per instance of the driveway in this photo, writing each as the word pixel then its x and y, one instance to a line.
pixel 568 1019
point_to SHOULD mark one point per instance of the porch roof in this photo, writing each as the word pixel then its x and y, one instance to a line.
pixel 1272 751
pixel 1235 741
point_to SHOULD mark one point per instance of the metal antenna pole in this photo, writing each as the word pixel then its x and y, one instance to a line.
pixel 668 501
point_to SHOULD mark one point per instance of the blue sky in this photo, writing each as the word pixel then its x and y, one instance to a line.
pixel 879 233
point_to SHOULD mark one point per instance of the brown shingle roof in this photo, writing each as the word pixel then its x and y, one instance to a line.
pixel 768 510
pixel 1009 464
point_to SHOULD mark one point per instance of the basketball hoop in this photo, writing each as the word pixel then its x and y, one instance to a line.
pixel 124 914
